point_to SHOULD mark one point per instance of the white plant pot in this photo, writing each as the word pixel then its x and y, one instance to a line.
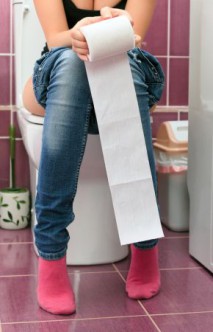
pixel 14 208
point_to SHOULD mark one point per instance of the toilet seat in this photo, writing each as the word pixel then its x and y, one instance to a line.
pixel 29 117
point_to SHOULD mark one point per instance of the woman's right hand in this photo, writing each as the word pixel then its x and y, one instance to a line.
pixel 79 44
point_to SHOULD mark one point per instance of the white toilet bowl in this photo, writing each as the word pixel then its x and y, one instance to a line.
pixel 93 234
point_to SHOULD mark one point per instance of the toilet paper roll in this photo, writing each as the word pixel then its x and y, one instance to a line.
pixel 120 129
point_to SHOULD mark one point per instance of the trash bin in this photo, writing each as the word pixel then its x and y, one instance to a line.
pixel 171 156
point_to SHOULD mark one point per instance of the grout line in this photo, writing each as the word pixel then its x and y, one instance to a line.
pixel 118 271
pixel 0 327
pixel 7 54
pixel 75 319
pixel 168 53
pixel 17 276
pixel 183 313
pixel 181 268
pixel 6 243
pixel 101 272
pixel 141 305
pixel 151 319
pixel 107 317
pixel 176 268
pixel 91 272
pixel 175 237
pixel 7 137
pixel 11 61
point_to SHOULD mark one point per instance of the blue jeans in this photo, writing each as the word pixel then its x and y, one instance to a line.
pixel 61 87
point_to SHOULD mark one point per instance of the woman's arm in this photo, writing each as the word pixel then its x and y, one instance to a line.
pixel 52 18
pixel 53 21
pixel 141 12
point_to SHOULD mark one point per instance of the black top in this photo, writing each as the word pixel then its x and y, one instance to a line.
pixel 75 14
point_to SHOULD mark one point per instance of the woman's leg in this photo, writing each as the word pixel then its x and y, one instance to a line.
pixel 67 106
pixel 143 280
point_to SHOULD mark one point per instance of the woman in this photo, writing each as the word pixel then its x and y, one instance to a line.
pixel 60 91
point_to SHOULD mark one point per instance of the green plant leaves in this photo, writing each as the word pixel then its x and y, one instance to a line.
pixel 1 202
pixel 18 203
pixel 10 216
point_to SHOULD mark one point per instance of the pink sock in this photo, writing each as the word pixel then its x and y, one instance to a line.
pixel 54 292
pixel 143 279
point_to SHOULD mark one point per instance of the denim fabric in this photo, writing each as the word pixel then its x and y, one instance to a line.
pixel 61 86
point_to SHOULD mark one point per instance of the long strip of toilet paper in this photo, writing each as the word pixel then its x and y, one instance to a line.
pixel 120 129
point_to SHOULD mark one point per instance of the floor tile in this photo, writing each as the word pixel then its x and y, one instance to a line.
pixel 185 323
pixel 17 259
pixel 169 233
pixel 182 291
pixel 91 268
pixel 21 235
pixel 102 295
pixel 125 324
pixel 174 253
pixel 97 295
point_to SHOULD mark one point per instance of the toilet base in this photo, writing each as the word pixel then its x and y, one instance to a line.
pixel 93 245
pixel 94 236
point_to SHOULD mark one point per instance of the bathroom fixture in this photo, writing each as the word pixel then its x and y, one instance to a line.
pixel 94 235
pixel 200 164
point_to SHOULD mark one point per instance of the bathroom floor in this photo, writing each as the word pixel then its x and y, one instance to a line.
pixel 185 302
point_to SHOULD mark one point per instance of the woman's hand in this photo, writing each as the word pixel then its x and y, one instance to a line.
pixel 108 12
pixel 79 44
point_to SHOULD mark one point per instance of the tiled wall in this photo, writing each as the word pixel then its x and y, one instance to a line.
pixel 168 39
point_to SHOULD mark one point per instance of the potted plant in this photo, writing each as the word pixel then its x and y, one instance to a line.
pixel 14 201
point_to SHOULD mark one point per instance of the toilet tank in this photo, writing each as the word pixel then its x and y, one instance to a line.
pixel 29 41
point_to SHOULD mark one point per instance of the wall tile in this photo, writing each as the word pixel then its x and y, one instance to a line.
pixel 179 34
pixel 13 95
pixel 18 133
pixel 163 62
pixel 4 80
pixel 4 123
pixel 5 26
pixel 156 39
pixel 184 115
pixel 22 166
pixel 159 117
pixel 178 86
pixel 5 163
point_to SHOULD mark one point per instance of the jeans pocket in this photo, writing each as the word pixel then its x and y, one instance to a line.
pixel 39 83
pixel 154 71
pixel 42 72
pixel 154 76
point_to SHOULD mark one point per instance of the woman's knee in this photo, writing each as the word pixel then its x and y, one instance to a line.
pixel 59 73
pixel 72 68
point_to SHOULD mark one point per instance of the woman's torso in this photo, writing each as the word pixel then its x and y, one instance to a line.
pixel 78 9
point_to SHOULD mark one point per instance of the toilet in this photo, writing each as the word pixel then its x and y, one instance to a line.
pixel 93 234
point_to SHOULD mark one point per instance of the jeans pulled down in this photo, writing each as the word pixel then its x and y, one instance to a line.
pixel 61 87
